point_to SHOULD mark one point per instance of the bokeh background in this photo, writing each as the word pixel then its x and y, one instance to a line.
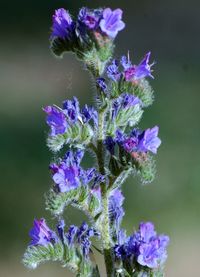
pixel 30 78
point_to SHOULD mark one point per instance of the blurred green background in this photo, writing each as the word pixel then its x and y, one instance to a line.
pixel 30 78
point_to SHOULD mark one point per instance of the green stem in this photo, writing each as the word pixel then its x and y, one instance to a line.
pixel 120 179
pixel 100 150
pixel 108 256
pixel 105 232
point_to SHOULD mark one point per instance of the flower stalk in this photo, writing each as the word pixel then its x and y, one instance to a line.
pixel 109 131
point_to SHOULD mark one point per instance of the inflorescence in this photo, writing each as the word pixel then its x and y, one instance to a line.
pixel 109 131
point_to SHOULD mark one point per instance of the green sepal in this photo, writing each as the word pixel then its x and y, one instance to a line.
pixel 87 202
pixel 148 273
pixel 36 255
pixel 125 117
pixel 129 116
pixel 80 198
pixel 87 269
pixel 55 143
pixel 56 202
pixel 121 178
pixel 97 59
pixel 78 135
pixel 142 164
pixel 114 166
pixel 141 89
pixel 147 170
pixel 59 46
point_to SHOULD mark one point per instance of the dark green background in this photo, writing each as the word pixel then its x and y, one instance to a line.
pixel 30 78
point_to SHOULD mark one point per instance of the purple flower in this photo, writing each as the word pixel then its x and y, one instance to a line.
pixel 119 247
pixel 149 140
pixel 62 24
pixel 90 18
pixel 113 71
pixel 125 62
pixel 68 174
pixel 66 178
pixel 83 238
pixel 71 234
pixel 136 72
pixel 139 141
pixel 71 109
pixel 146 231
pixel 60 228
pixel 89 113
pixel 41 234
pixel 101 84
pixel 129 73
pixel 129 100
pixel 121 237
pixel 56 119
pixel 148 248
pixel 125 101
pixel 111 23
pixel 116 211
pixel 96 192
pixel 110 145
pixel 144 69
pixel 82 230
pixel 130 144
pixel 88 175
pixel 73 158
pixel 148 254
pixel 119 136
pixel 116 105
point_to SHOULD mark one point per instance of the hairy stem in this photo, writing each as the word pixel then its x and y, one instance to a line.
pixel 105 233
pixel 120 179
pixel 108 257
pixel 100 150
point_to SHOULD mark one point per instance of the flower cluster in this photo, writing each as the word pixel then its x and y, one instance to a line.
pixel 60 119
pixel 63 25
pixel 130 73
pixel 106 21
pixel 124 102
pixel 90 36
pixel 75 237
pixel 70 124
pixel 140 141
pixel 109 134
pixel 116 211
pixel 68 174
pixel 137 143
pixel 144 247
pixel 41 234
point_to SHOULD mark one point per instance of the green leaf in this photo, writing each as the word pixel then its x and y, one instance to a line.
pixel 59 46
pixel 144 91
pixel 56 202
pixel 147 170
pixel 141 89
pixel 97 58
pixel 86 269
pixel 36 255
pixel 129 116
pixel 78 135
pixel 125 117
pixel 121 178
pixel 55 143
pixel 80 198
